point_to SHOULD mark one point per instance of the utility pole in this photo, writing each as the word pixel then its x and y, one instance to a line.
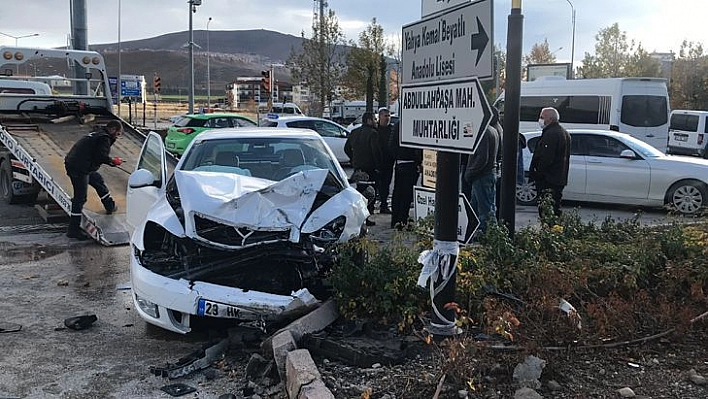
pixel 512 109
pixel 192 9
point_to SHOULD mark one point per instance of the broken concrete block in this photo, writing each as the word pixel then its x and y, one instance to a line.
pixel 282 343
pixel 300 370
pixel 314 321
pixel 316 390
pixel 528 373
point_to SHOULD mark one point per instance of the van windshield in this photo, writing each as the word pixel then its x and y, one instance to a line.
pixel 644 111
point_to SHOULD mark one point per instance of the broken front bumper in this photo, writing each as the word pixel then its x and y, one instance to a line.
pixel 170 303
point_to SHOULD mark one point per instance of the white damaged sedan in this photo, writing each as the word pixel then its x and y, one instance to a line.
pixel 242 229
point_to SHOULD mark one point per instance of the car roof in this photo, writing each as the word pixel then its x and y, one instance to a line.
pixel 584 131
pixel 302 118
pixel 215 115
pixel 257 132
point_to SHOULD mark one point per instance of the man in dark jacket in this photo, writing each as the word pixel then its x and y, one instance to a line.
pixel 364 152
pixel 481 175
pixel 82 163
pixel 408 162
pixel 551 159
pixel 385 131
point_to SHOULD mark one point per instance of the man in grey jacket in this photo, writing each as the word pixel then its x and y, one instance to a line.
pixel 481 175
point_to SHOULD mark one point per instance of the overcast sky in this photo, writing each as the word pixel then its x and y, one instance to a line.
pixel 660 25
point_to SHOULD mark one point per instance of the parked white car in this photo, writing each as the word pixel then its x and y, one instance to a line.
pixel 334 134
pixel 243 228
pixel 616 168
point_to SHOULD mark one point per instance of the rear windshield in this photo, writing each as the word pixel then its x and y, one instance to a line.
pixel 688 123
pixel 190 122
pixel 644 111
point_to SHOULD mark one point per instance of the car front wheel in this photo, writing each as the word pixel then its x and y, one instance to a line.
pixel 526 193
pixel 687 197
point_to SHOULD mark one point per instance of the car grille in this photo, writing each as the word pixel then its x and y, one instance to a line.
pixel 236 236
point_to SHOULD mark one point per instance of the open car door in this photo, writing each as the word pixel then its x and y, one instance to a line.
pixel 147 183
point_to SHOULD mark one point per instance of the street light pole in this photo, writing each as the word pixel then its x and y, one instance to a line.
pixel 17 39
pixel 208 67
pixel 572 46
pixel 118 82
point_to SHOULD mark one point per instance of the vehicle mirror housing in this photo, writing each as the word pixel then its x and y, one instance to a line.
pixel 628 154
pixel 141 178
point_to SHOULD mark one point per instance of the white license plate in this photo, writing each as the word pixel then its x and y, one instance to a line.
pixel 170 145
pixel 681 137
pixel 216 309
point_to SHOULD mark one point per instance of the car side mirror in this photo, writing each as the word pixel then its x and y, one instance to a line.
pixel 141 178
pixel 628 154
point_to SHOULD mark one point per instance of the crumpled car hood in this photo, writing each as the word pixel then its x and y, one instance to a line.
pixel 258 204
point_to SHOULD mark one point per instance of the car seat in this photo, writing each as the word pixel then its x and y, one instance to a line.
pixel 226 158
pixel 289 158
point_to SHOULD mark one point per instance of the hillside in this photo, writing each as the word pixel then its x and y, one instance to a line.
pixel 233 54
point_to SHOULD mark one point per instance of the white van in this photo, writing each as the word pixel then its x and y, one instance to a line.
pixel 11 86
pixel 688 133
pixel 638 106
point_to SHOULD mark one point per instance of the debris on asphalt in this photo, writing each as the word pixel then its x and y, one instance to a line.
pixel 80 322
pixel 178 389
pixel 197 360
pixel 6 327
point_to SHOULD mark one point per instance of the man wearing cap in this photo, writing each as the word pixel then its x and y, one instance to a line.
pixel 82 163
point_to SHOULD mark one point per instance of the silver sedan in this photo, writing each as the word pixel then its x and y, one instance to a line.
pixel 616 168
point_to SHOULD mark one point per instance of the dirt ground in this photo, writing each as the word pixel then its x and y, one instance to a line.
pixel 47 278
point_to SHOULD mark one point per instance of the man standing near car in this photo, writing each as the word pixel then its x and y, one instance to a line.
pixel 551 160
pixel 82 163
pixel 385 131
pixel 364 152
pixel 408 162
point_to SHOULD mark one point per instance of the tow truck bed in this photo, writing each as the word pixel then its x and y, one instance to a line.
pixel 48 143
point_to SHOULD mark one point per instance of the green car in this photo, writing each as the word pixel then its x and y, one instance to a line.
pixel 189 126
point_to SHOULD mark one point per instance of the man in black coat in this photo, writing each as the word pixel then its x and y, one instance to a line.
pixel 385 131
pixel 364 152
pixel 408 162
pixel 551 159
pixel 82 163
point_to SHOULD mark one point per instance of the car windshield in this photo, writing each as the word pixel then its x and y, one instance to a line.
pixel 272 158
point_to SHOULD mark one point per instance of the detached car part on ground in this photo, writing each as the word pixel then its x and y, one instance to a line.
pixel 616 168
pixel 243 229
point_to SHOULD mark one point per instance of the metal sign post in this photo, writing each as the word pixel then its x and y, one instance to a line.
pixel 443 106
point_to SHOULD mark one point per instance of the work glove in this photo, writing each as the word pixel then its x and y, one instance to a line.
pixel 116 161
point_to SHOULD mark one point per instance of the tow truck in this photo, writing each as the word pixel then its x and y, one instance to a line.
pixel 37 130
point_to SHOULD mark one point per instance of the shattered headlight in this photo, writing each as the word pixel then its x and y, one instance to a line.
pixel 330 232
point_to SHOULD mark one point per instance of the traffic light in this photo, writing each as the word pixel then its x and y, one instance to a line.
pixel 156 84
pixel 265 82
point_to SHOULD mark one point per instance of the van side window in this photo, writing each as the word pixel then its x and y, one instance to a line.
pixel 705 125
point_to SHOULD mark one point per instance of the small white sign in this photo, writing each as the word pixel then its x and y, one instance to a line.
pixel 435 6
pixel 450 116
pixel 456 43
pixel 425 205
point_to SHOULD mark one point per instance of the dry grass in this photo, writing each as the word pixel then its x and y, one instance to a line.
pixel 164 112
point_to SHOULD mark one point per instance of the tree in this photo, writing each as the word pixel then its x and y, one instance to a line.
pixel 320 64
pixel 689 78
pixel 611 54
pixel 364 65
pixel 540 54
pixel 383 90
pixel 641 64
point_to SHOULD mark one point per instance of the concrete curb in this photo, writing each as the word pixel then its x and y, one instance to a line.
pixel 295 366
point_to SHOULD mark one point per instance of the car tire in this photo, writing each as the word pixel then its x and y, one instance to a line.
pixel 526 193
pixel 687 197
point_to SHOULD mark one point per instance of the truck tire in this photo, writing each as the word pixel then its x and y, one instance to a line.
pixel 8 196
pixel 6 190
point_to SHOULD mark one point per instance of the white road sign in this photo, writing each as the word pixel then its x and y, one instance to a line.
pixel 434 6
pixel 453 44
pixel 425 205
pixel 449 116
